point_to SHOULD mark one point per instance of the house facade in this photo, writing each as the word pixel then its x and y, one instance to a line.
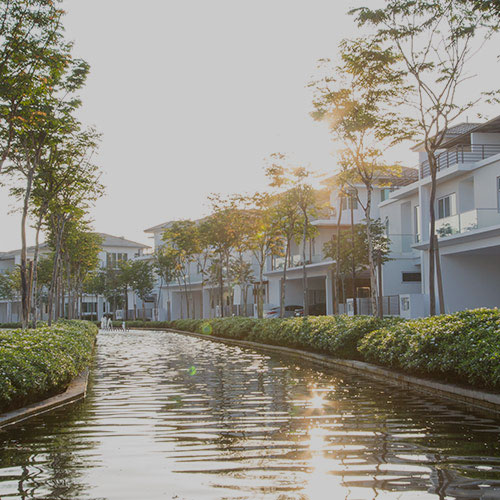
pixel 467 211
pixel 113 250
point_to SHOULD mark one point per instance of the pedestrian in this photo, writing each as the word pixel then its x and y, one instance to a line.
pixel 124 326
pixel 110 324
pixel 103 323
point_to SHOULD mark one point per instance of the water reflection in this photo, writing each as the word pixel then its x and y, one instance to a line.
pixel 176 417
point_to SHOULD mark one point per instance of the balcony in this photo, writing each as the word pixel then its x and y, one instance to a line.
pixel 296 261
pixel 460 154
pixel 479 218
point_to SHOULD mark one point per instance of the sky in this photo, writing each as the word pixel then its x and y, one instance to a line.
pixel 191 96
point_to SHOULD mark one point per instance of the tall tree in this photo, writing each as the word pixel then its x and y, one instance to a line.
pixel 357 99
pixel 301 194
pixel 264 239
pixel 433 41
pixel 31 46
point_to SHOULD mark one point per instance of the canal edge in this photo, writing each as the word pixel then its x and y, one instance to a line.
pixel 76 390
pixel 474 399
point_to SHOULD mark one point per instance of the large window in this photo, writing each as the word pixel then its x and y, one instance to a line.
pixel 349 202
pixel 446 206
pixel 113 259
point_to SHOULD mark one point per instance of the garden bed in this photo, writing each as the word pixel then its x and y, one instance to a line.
pixel 36 364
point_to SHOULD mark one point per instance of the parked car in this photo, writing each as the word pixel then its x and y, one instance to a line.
pixel 290 311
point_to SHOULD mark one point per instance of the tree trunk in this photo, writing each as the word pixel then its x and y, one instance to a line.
pixel 432 231
pixel 304 267
pixel 439 278
pixel 283 281
pixel 380 288
pixel 260 301
pixel 337 262
pixel 34 300
pixel 353 264
pixel 25 289
pixel 371 259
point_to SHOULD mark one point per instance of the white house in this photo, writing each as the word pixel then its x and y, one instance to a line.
pixel 203 296
pixel 467 226
pixel 320 268
pixel 113 250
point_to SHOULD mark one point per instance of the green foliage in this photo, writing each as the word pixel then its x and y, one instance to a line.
pixel 463 347
pixel 37 363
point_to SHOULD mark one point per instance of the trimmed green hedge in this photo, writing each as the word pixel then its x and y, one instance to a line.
pixel 10 325
pixel 459 347
pixel 463 347
pixel 35 364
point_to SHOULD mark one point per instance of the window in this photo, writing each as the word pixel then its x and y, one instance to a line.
pixel 416 223
pixel 113 259
pixel 347 202
pixel 446 206
pixel 412 277
pixel 384 194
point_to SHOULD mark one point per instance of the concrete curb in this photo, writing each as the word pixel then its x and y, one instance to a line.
pixel 76 390
pixel 471 398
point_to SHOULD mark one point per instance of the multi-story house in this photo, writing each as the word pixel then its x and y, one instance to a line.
pixel 195 287
pixel 113 250
pixel 320 267
pixel 467 224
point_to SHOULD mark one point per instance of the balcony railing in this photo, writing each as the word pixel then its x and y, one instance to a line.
pixel 296 261
pixel 479 218
pixel 460 154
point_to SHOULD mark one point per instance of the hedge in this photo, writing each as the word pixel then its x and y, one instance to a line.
pixel 463 347
pixel 459 347
pixel 35 364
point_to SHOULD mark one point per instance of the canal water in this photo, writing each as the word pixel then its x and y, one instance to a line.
pixel 175 417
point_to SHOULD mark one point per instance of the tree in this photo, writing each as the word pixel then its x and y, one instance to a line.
pixel 222 238
pixel 164 264
pixel 183 243
pixel 352 250
pixel 30 46
pixel 357 98
pixel 264 239
pixel 143 281
pixel 432 41
pixel 301 194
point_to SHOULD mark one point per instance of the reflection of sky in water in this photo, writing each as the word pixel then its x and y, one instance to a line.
pixel 170 416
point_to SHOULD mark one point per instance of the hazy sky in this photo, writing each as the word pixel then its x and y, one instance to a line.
pixel 192 95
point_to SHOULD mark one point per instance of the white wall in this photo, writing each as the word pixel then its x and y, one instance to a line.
pixel 471 281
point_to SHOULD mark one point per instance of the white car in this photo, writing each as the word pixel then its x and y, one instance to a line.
pixel 290 312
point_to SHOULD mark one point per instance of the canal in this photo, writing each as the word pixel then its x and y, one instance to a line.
pixel 175 417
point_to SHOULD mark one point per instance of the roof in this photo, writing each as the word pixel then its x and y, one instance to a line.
pixel 491 126
pixel 406 175
pixel 119 241
pixel 12 253
pixel 451 133
pixel 153 229
pixel 108 240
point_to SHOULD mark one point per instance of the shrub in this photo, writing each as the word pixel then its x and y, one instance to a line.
pixel 37 363
pixel 463 346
